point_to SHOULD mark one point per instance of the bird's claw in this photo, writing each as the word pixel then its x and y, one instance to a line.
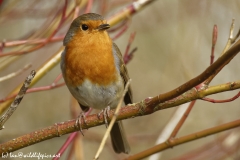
pixel 105 112
pixel 79 122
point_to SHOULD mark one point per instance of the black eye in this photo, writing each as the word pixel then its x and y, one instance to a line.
pixel 84 27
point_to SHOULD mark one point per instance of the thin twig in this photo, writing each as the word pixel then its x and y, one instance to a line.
pixel 69 140
pixel 14 74
pixel 114 29
pixel 214 41
pixel 129 55
pixel 40 45
pixel 169 127
pixel 73 135
pixel 112 122
pixel 33 41
pixel 123 29
pixel 36 89
pixel 236 37
pixel 229 42
pixel 89 6
pixel 222 101
pixel 182 120
pixel 17 100
pixel 58 78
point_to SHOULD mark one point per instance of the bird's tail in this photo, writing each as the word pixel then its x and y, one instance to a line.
pixel 119 140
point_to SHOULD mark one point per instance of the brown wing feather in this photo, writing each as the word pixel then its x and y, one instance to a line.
pixel 124 75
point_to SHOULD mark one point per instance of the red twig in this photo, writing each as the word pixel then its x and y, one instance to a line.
pixel 104 6
pixel 66 144
pixel 129 55
pixel 214 41
pixel 182 120
pixel 32 41
pixel 123 23
pixel 37 89
pixel 70 139
pixel 58 78
pixel 89 6
pixel 44 88
pixel 222 101
pixel 63 18
pixel 123 29
pixel 22 52
pixel 48 39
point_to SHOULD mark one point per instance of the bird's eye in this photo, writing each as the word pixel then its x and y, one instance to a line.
pixel 84 27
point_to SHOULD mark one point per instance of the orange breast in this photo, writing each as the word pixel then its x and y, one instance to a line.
pixel 90 57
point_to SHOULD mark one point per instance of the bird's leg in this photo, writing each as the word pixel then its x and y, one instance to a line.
pixel 79 121
pixel 105 112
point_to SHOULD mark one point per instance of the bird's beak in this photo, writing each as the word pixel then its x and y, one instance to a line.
pixel 103 27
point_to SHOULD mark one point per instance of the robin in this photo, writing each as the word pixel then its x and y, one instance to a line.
pixel 94 71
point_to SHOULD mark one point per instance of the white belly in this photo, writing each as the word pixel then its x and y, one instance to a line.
pixel 98 97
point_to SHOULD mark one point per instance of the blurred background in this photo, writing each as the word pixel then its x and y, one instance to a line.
pixel 174 45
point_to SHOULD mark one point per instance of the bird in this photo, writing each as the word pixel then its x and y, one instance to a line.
pixel 94 71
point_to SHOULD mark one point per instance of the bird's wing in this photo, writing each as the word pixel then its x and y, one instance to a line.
pixel 124 74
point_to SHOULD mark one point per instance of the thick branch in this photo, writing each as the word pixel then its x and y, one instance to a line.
pixel 126 112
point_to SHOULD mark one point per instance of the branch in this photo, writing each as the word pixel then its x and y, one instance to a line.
pixel 52 28
pixel 14 74
pixel 36 89
pixel 132 110
pixel 214 41
pixel 179 111
pixel 129 55
pixel 31 41
pixel 177 141
pixel 182 120
pixel 229 43
pixel 223 144
pixel 51 63
pixel 152 104
pixel 139 109
pixel 17 100
pixel 230 38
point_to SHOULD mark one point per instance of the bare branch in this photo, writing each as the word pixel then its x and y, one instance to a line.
pixel 17 100
pixel 14 74
pixel 210 71
pixel 180 140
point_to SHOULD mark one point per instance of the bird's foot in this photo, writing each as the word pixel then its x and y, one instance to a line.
pixel 105 112
pixel 79 121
